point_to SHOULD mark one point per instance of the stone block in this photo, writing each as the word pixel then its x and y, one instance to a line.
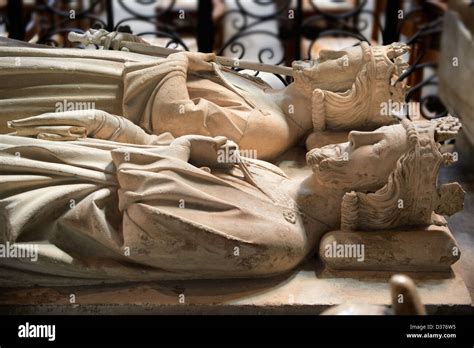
pixel 432 249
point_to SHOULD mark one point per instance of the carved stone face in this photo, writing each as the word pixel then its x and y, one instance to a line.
pixel 364 163
pixel 337 70
pixel 333 70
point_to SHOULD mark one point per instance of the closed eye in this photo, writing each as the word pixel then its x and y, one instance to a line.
pixel 379 149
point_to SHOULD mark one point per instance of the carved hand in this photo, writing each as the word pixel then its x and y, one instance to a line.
pixel 197 61
pixel 207 151
pixel 72 125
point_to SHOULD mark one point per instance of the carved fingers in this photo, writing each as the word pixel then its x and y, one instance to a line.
pixel 198 61
pixel 60 126
pixel 201 61
pixel 54 133
pixel 210 151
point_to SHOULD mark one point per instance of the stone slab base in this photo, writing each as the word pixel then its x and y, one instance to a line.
pixel 430 249
pixel 310 290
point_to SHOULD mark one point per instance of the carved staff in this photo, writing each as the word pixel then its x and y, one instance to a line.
pixel 158 51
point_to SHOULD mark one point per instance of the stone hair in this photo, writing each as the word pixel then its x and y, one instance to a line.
pixel 411 193
pixel 359 106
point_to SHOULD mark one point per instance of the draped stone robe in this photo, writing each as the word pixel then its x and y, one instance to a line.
pixel 158 94
pixel 101 211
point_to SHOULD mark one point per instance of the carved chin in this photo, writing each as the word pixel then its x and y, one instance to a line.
pixel 333 173
pixel 329 152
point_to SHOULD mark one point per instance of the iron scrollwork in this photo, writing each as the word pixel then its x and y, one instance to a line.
pixel 429 26
pixel 248 19
pixel 247 24
pixel 163 29
pixel 58 19
pixel 344 24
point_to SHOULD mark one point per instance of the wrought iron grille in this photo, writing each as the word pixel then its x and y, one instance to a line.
pixel 299 24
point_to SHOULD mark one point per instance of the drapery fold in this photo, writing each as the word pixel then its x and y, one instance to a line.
pixel 115 212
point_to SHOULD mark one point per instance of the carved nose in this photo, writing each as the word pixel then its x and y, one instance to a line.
pixel 358 139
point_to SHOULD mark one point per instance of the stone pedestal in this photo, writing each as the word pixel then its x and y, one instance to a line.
pixel 432 249
pixel 309 290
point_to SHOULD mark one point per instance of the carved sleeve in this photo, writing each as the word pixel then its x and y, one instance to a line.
pixel 164 97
